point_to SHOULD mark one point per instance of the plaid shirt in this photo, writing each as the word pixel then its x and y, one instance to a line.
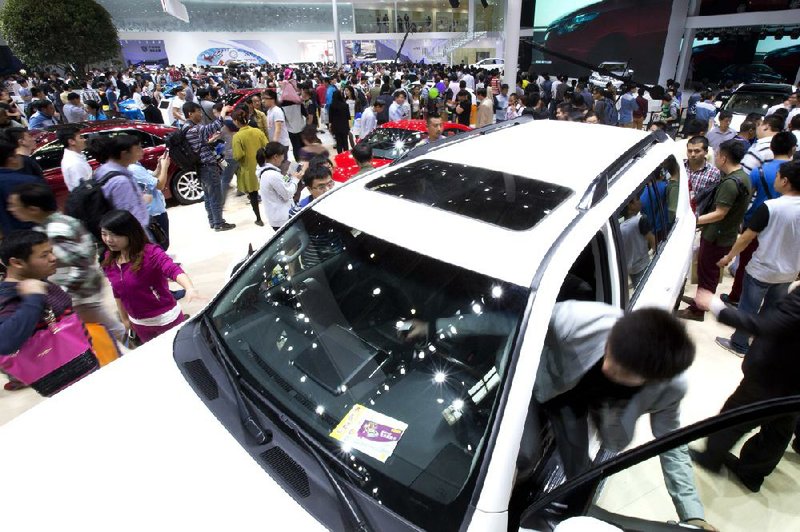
pixel 76 258
pixel 707 176
pixel 198 134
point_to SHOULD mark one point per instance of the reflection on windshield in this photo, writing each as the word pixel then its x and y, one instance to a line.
pixel 392 143
pixel 391 359
pixel 746 103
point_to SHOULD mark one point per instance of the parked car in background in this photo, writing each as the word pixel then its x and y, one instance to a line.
pixel 755 98
pixel 785 61
pixel 389 142
pixel 490 63
pixel 618 68
pixel 752 73
pixel 184 186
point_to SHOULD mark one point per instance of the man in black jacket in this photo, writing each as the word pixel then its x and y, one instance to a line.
pixel 770 370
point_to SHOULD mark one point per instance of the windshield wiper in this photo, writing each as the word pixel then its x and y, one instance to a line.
pixel 261 435
pixel 249 422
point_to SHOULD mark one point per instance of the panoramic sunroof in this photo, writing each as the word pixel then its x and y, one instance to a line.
pixel 506 200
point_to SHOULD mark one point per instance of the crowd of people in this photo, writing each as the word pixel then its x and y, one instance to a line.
pixel 744 187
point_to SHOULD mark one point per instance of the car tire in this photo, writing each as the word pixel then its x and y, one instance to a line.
pixel 186 187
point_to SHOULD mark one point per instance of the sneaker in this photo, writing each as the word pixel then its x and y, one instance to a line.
pixel 225 227
pixel 726 298
pixel 13 385
pixel 725 343
pixel 689 314
pixel 734 466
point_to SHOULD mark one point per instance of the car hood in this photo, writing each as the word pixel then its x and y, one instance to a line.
pixel 130 444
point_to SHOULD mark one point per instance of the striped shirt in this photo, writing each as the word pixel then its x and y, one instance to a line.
pixel 758 154
pixel 198 135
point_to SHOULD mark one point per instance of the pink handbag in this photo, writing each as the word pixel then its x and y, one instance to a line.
pixel 62 341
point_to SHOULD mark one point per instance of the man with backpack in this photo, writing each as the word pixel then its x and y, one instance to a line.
pixel 604 107
pixel 720 212
pixel 198 140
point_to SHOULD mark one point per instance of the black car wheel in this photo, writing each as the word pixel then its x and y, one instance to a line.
pixel 186 187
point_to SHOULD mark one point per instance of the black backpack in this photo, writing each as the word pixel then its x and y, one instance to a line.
pixel 181 151
pixel 87 203
pixel 704 200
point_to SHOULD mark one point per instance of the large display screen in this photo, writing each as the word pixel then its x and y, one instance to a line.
pixel 632 31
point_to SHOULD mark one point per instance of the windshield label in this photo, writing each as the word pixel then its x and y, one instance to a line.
pixel 370 432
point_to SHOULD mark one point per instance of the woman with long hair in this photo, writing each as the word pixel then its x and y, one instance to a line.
pixel 339 118
pixel 246 142
pixel 138 272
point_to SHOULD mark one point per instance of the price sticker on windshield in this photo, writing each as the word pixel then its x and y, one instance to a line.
pixel 370 432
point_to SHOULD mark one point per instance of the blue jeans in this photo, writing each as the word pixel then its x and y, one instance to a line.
pixel 227 177
pixel 754 292
pixel 212 189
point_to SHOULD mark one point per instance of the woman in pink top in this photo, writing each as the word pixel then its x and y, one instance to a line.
pixel 139 273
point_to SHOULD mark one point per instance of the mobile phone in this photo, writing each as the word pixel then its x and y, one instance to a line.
pixel 295 167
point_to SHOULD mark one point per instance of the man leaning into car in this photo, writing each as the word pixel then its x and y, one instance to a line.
pixel 612 367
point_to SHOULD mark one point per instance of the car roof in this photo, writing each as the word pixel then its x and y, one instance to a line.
pixel 766 87
pixel 51 133
pixel 537 150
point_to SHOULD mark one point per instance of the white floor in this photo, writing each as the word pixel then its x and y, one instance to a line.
pixel 207 255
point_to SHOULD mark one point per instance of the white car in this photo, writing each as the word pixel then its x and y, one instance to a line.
pixel 754 98
pixel 619 68
pixel 293 402
pixel 490 63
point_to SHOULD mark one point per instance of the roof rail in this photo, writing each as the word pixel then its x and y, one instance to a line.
pixel 461 137
pixel 598 188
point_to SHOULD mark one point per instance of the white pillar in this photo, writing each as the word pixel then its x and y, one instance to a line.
pixel 471 16
pixel 672 46
pixel 337 37
pixel 511 48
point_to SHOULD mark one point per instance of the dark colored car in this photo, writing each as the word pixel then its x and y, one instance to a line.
pixel 753 73
pixel 785 61
pixel 609 30
pixel 390 141
pixel 708 60
pixel 183 186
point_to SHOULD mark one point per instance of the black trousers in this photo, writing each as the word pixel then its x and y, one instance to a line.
pixel 762 452
pixel 342 142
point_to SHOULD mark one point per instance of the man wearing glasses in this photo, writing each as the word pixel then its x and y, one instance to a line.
pixel 318 180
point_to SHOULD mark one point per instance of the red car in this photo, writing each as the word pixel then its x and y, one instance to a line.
pixel 182 185
pixel 389 142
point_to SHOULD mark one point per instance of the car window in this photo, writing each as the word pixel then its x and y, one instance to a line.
pixel 645 220
pixel 449 132
pixel 390 359
pixel 49 156
pixel 145 139
pixel 753 102
pixel 391 142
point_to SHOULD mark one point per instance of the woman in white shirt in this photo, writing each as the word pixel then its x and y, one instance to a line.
pixel 277 191
pixel 176 108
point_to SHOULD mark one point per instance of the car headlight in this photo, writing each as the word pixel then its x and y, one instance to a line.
pixel 571 23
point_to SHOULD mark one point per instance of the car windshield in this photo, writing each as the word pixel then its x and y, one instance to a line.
pixel 753 102
pixel 613 67
pixel 392 143
pixel 391 360
pixel 49 156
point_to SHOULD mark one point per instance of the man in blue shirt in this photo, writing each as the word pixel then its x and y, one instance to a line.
pixel 10 177
pixel 44 115
pixel 627 106
pixel 705 109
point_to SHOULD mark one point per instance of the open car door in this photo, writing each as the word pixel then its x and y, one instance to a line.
pixel 628 490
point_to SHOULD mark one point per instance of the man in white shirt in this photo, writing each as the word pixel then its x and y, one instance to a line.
pixel 369 118
pixel 73 110
pixel 276 119
pixel 399 110
pixel 790 104
pixel 74 166
pixel 468 77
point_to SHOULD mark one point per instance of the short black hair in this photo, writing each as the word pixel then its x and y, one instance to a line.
pixel 791 171
pixel 652 343
pixel 314 172
pixel 19 245
pixel 782 143
pixel 694 127
pixel 481 91
pixel 36 195
pixel 724 115
pixel 699 139
pixel 747 126
pixel 13 134
pixel 7 150
pixel 73 96
pixel 66 134
pixel 190 107
pixel 362 152
pixel 775 123
pixel 733 150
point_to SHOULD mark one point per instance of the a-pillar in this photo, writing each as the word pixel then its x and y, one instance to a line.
pixel 511 45
pixel 470 16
